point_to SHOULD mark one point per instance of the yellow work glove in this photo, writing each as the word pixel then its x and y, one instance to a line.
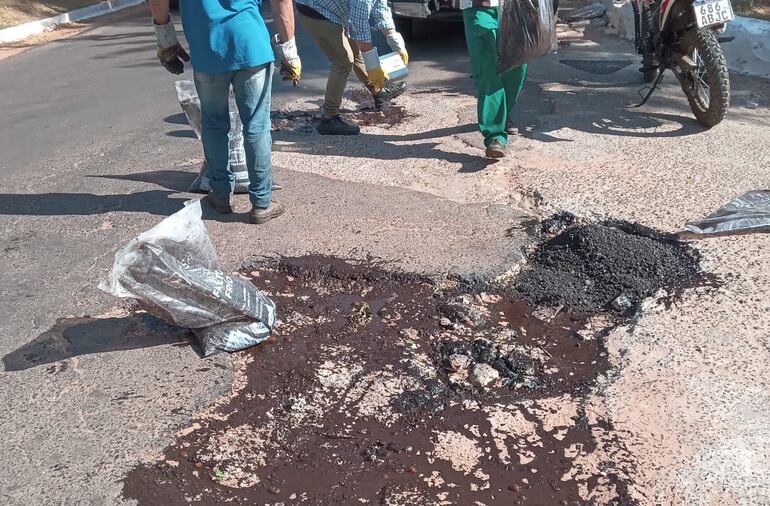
pixel 377 76
pixel 170 52
pixel 397 44
pixel 291 65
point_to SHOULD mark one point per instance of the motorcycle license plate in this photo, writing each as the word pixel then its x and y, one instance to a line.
pixel 712 12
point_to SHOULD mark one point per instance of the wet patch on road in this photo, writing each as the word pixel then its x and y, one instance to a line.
pixel 367 115
pixel 383 387
pixel 436 395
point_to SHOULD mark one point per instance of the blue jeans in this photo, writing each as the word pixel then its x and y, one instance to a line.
pixel 252 88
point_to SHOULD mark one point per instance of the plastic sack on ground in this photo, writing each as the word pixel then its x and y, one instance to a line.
pixel 587 12
pixel 191 106
pixel 172 270
pixel 527 31
pixel 750 211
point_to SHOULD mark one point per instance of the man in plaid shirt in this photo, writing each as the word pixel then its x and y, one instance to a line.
pixel 343 30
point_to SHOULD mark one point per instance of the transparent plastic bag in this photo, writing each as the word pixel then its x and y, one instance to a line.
pixel 172 270
pixel 749 212
pixel 187 96
pixel 527 31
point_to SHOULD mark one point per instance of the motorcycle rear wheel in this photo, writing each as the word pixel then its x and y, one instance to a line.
pixel 707 86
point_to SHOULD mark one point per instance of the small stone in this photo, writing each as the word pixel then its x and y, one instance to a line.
pixel 457 362
pixel 751 104
pixel 529 382
pixel 487 298
pixel 274 490
pixel 360 314
pixel 483 375
pixel 623 302
pixel 446 323
pixel 199 465
pixel 507 334
pixel 412 469
pixel 515 487
pixel 293 496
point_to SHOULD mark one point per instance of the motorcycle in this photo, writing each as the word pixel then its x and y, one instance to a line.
pixel 683 36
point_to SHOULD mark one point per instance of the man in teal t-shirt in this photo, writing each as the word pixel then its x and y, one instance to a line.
pixel 230 47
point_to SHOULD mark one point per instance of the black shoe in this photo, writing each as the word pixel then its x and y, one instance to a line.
pixel 221 204
pixel 389 92
pixel 496 150
pixel 337 126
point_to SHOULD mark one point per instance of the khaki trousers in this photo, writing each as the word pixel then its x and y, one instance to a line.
pixel 343 55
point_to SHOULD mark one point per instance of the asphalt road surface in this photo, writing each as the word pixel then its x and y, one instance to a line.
pixel 94 150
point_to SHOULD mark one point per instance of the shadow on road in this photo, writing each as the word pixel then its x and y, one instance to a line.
pixel 176 119
pixel 182 134
pixel 72 337
pixel 58 204
pixel 79 204
pixel 600 108
pixel 382 147
pixel 178 180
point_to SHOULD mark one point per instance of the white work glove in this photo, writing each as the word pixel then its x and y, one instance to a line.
pixel 397 44
pixel 170 52
pixel 291 65
pixel 377 75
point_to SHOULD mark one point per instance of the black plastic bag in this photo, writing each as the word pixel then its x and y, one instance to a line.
pixel 749 212
pixel 527 31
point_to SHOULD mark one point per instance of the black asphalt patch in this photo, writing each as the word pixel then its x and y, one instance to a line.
pixel 611 266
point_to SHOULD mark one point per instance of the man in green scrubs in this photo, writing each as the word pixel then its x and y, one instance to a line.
pixel 496 93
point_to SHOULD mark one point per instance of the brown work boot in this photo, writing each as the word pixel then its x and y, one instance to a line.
pixel 496 149
pixel 259 215
pixel 221 204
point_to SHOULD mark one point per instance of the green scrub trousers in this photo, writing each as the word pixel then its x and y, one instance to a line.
pixel 497 93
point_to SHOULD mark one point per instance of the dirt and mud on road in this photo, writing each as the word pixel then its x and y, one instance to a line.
pixel 359 108
pixel 385 387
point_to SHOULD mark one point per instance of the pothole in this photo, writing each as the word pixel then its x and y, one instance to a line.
pixel 383 387
pixel 297 121
pixel 367 115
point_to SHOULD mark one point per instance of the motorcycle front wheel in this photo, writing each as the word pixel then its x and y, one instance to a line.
pixel 707 86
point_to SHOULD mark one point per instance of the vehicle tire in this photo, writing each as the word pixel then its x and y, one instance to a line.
pixel 708 86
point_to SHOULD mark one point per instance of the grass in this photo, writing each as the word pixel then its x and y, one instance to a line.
pixel 16 12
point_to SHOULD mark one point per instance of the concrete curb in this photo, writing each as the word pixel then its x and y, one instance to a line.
pixel 21 32
pixel 748 54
